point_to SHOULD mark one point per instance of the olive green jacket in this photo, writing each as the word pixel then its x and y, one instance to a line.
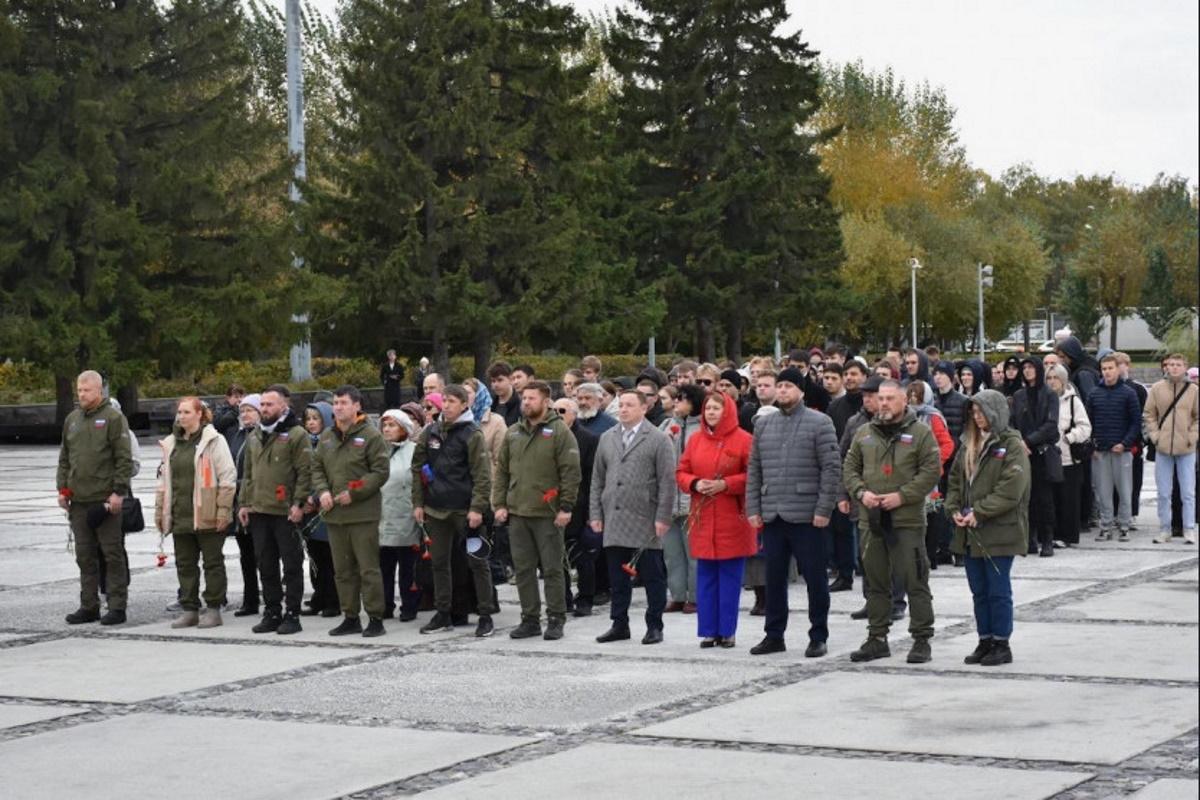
pixel 95 460
pixel 537 473
pixel 359 456
pixel 900 458
pixel 276 469
pixel 999 492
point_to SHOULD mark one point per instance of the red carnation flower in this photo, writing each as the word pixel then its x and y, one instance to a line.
pixel 281 493
pixel 887 469
pixel 66 492
pixel 162 559
pixel 425 556
pixel 674 430
pixel 630 570
pixel 416 548
pixel 549 495
pixel 352 485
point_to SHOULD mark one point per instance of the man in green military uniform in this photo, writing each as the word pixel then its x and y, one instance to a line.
pixel 451 483
pixel 892 465
pixel 95 467
pixel 350 464
pixel 536 486
pixel 276 479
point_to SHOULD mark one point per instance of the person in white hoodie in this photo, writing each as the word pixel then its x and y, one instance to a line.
pixel 1074 427
pixel 399 537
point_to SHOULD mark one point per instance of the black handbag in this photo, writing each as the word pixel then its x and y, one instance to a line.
pixel 132 520
pixel 1080 451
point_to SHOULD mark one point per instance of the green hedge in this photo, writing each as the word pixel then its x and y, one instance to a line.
pixel 22 382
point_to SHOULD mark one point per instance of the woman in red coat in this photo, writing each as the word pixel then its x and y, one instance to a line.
pixel 713 470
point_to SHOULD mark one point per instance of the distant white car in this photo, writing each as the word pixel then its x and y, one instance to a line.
pixel 1018 346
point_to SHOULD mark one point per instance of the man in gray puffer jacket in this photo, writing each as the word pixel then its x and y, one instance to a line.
pixel 793 482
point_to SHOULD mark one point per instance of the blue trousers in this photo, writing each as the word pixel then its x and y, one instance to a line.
pixel 783 541
pixel 991 590
pixel 718 589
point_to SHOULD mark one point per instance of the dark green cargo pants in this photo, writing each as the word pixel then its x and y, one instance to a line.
pixel 906 563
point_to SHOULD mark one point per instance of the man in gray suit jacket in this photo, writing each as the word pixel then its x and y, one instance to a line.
pixel 792 484
pixel 633 492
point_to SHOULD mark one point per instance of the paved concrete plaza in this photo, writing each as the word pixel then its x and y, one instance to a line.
pixel 1100 702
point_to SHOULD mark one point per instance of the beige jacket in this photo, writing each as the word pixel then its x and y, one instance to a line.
pixel 493 428
pixel 1174 435
pixel 1082 431
pixel 213 489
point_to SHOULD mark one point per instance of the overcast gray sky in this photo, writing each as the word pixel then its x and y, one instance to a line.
pixel 1068 86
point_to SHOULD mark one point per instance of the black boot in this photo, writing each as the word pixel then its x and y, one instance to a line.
pixel 760 602
pixel 1000 653
pixel 80 616
pixel 289 624
pixel 113 617
pixel 349 625
pixel 982 649
pixel 374 628
pixel 270 623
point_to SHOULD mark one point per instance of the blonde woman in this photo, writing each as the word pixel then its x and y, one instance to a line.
pixel 1074 428
pixel 194 503
pixel 988 499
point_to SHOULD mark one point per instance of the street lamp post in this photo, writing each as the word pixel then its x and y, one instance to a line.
pixel 985 280
pixel 301 352
pixel 914 264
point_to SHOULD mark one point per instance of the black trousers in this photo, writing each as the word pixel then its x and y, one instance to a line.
pixel 402 560
pixel 249 561
pixel 1041 503
pixel 276 540
pixel 1066 503
pixel 320 559
pixel 583 560
pixel 653 572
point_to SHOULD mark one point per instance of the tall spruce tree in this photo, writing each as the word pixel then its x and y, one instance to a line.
pixel 450 206
pixel 132 227
pixel 733 212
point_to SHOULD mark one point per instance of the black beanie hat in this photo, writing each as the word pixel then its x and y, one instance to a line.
pixel 733 376
pixel 792 376
pixel 948 368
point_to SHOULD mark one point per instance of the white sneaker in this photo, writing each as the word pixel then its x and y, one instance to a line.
pixel 1189 536
pixel 1162 538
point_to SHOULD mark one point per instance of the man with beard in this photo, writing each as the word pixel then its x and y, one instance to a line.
pixel 892 465
pixel 792 485
pixel 277 480
pixel 593 418
pixel 535 490
pixel 583 546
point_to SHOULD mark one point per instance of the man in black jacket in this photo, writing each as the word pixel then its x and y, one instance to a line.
pixel 948 400
pixel 583 546
pixel 1035 415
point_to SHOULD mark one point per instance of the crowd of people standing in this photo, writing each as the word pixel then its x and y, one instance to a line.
pixel 694 485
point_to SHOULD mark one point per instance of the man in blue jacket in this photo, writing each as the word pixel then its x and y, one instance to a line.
pixel 1116 423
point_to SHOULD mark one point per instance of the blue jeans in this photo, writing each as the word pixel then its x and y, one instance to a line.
pixel 991 589
pixel 1184 468
pixel 718 588
pixel 783 541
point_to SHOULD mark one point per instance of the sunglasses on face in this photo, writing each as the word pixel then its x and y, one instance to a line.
pixel 705 381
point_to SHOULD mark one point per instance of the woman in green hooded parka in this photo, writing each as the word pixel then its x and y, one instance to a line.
pixel 989 500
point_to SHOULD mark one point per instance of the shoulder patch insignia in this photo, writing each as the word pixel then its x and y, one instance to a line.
pixel 547 433
pixel 100 423
pixel 906 438
pixel 1000 452
pixel 283 437
pixel 358 441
